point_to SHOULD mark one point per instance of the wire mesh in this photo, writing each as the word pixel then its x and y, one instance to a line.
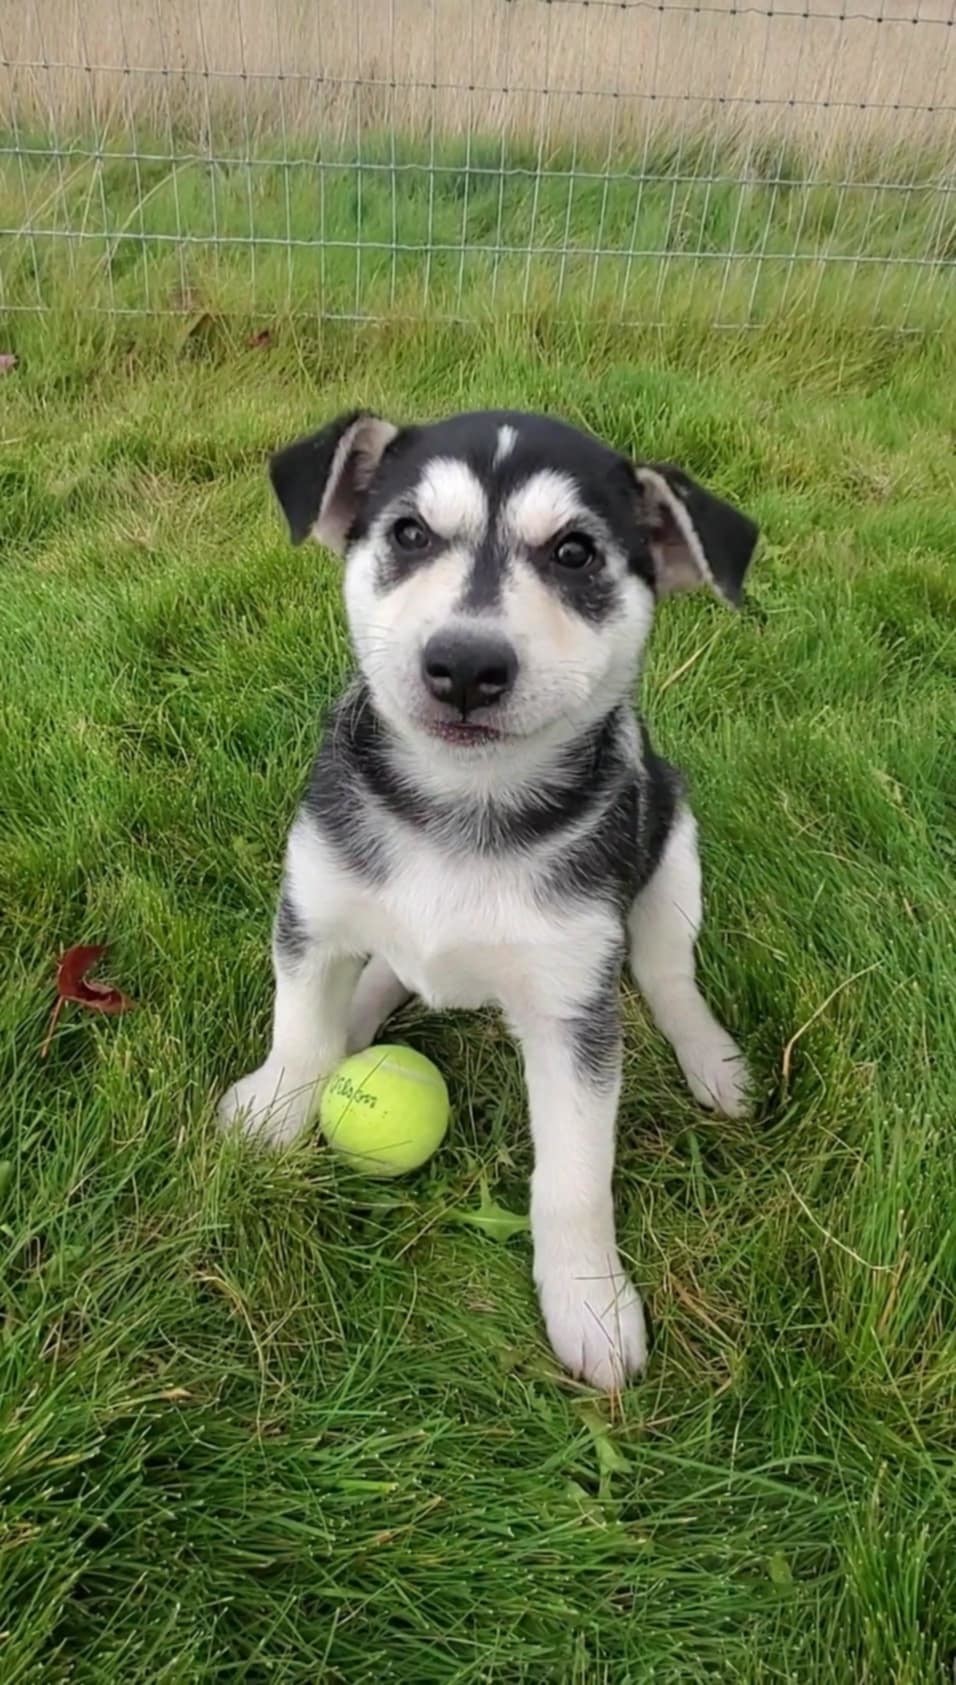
pixel 624 160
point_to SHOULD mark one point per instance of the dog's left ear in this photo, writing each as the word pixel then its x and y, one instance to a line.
pixel 320 480
pixel 695 537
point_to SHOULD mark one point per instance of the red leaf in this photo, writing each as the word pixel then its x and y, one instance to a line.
pixel 260 341
pixel 72 983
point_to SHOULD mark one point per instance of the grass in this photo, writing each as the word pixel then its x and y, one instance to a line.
pixel 699 227
pixel 572 71
pixel 263 1420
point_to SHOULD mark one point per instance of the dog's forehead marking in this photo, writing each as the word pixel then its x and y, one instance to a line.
pixel 452 499
pixel 541 506
pixel 507 439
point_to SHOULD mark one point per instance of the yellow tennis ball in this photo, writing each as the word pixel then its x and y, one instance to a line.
pixel 385 1111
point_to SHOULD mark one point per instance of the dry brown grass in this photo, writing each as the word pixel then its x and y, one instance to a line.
pixel 551 73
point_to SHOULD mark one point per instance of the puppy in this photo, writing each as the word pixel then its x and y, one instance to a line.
pixel 487 821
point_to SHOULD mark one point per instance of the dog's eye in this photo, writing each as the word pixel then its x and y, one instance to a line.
pixel 575 551
pixel 410 534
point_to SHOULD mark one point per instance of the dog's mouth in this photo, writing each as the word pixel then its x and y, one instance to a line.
pixel 463 733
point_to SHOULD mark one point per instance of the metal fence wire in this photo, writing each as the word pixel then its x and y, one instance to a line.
pixel 626 160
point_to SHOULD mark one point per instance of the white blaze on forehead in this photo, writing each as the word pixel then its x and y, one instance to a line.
pixel 451 499
pixel 541 506
pixel 507 439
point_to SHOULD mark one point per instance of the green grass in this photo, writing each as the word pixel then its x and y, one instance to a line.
pixel 692 226
pixel 261 1420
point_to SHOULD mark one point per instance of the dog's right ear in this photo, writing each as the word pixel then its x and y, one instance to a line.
pixel 695 537
pixel 319 480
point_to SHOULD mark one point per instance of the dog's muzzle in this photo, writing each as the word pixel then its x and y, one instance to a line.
pixel 467 670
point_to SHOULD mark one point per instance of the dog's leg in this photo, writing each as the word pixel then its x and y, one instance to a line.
pixel 573 1069
pixel 378 994
pixel 663 926
pixel 313 992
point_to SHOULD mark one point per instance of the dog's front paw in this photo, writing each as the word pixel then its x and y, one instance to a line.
pixel 595 1320
pixel 273 1104
pixel 716 1071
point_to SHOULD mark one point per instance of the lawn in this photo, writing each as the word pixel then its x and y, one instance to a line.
pixel 263 1420
pixel 690 226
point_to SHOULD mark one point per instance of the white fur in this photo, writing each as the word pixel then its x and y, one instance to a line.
pixel 539 508
pixel 663 929
pixel 460 931
pixel 452 500
pixel 507 439
pixel 570 672
pixel 591 1311
pixel 309 1038
pixel 464 929
pixel 378 994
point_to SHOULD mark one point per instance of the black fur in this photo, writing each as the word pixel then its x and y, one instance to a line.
pixel 596 1031
pixel 337 791
pixel 501 861
pixel 614 799
pixel 611 486
pixel 487 579
pixel 300 473
pixel 727 536
pixel 630 804
pixel 291 936
pixel 607 478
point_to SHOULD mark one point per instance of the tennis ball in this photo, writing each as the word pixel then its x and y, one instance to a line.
pixel 385 1111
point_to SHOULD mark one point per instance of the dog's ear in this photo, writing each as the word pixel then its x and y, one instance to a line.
pixel 695 537
pixel 319 480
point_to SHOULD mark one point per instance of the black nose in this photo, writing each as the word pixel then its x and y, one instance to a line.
pixel 468 670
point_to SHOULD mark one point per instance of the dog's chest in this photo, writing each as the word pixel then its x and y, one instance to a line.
pixel 459 932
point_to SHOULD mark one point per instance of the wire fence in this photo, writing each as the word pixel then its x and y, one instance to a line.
pixel 635 161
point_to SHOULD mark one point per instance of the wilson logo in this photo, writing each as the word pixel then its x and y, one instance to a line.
pixel 345 1088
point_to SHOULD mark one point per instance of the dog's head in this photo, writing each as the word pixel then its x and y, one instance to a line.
pixel 502 569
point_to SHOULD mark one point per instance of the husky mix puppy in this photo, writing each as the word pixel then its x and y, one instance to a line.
pixel 487 820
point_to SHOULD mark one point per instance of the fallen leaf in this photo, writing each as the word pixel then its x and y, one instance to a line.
pixel 260 341
pixel 73 984
pixel 8 362
pixel 496 1222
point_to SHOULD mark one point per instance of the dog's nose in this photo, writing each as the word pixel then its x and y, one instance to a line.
pixel 468 671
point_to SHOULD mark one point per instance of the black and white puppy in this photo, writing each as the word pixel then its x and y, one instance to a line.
pixel 486 821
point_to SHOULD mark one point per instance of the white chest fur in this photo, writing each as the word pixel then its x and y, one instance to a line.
pixel 460 930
